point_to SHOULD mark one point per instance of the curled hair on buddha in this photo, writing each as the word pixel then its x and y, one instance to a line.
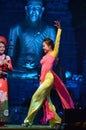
pixel 30 1
pixel 49 42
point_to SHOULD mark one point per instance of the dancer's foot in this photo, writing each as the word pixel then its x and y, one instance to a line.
pixel 57 126
pixel 26 125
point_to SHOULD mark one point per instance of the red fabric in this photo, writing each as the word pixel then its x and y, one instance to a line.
pixel 3 81
pixel 65 98
pixel 3 39
pixel 48 114
pixel 3 85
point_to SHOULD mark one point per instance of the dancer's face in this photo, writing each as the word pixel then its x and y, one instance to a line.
pixel 46 47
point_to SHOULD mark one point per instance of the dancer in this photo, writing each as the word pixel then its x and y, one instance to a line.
pixel 47 79
pixel 5 64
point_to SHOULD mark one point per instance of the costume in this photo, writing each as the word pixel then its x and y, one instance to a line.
pixel 65 98
pixel 42 95
pixel 4 87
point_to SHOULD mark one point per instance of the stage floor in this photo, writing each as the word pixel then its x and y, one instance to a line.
pixel 19 127
pixel 76 126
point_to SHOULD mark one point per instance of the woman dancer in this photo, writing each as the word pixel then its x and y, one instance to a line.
pixel 5 64
pixel 47 79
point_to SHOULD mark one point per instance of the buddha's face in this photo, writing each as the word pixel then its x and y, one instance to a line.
pixel 34 10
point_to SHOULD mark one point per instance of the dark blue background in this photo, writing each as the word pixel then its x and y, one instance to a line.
pixel 72 54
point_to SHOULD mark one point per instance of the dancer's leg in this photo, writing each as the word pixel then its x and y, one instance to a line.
pixel 56 119
pixel 50 113
pixel 39 97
